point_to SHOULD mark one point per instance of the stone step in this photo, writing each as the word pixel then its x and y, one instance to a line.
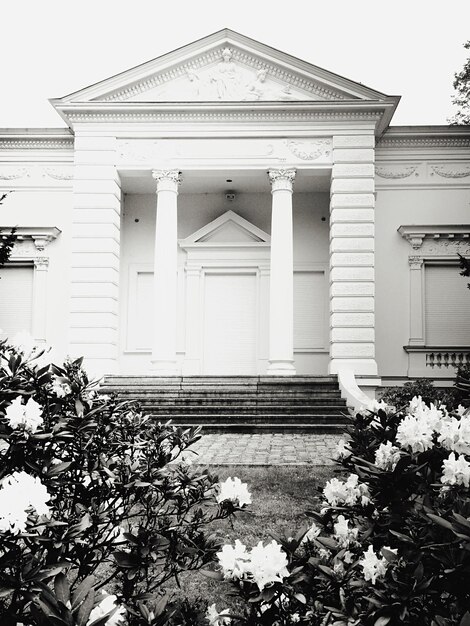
pixel 232 400
pixel 269 409
pixel 267 428
pixel 275 418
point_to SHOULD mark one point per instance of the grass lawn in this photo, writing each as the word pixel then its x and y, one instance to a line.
pixel 280 497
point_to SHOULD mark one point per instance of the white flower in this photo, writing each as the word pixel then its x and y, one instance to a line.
pixel 311 534
pixel 343 533
pixel 372 566
pixel 387 456
pixel 263 565
pixel 234 560
pixel 351 492
pixel 456 471
pixel 4 446
pixel 61 388
pixel 454 434
pixel 28 416
pixel 234 490
pixel 341 451
pixel 217 619
pixel 108 604
pixel 461 410
pixel 415 432
pixel 268 564
pixel 374 406
pixel 19 493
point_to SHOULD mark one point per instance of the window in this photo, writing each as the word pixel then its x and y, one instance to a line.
pixel 447 306
pixel 309 310
pixel 16 298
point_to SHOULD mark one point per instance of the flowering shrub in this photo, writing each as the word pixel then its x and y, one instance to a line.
pixel 97 512
pixel 391 545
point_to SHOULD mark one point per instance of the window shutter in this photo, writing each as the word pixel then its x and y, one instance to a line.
pixel 447 307
pixel 16 299
pixel 309 310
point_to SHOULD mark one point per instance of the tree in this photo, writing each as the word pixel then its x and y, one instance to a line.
pixel 465 267
pixel 6 241
pixel 461 98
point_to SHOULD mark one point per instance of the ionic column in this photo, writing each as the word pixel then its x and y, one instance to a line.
pixel 165 273
pixel 281 291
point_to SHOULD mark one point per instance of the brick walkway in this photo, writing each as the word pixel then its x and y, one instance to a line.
pixel 269 449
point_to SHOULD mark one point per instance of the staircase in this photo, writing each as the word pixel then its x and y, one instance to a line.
pixel 237 404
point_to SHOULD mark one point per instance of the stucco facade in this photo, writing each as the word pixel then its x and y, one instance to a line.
pixel 229 209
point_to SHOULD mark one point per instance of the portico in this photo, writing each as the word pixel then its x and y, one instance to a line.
pixel 232 233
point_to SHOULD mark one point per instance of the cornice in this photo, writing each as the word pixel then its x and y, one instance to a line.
pixel 36 139
pixel 416 234
pixel 227 112
pixel 400 137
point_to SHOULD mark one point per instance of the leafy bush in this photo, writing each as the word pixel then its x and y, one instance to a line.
pixel 391 545
pixel 400 397
pixel 93 497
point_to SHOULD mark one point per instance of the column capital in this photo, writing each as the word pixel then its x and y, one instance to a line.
pixel 167 180
pixel 281 179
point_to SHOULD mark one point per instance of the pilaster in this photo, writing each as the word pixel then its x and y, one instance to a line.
pixel 95 254
pixel 352 287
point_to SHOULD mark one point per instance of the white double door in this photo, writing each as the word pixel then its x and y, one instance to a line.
pixel 230 323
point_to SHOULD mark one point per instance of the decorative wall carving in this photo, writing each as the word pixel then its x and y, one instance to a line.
pixel 450 171
pixel 14 174
pixel 58 174
pixel 228 74
pixel 396 171
pixel 310 150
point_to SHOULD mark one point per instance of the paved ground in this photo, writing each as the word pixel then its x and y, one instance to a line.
pixel 273 449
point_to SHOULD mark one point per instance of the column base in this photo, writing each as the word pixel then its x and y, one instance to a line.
pixel 164 368
pixel 281 368
pixel 364 367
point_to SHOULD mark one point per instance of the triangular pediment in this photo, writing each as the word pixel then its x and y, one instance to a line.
pixel 229 229
pixel 224 67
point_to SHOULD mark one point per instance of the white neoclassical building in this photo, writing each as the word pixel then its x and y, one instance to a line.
pixel 228 209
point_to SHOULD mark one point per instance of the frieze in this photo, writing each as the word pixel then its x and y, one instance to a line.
pixel 225 82
pixel 14 174
pixel 58 174
pixel 396 172
pixel 450 171
pixel 310 150
pixel 424 142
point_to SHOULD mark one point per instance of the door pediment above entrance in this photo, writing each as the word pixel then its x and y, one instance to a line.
pixel 231 229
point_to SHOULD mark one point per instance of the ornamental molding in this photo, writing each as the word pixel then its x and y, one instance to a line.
pixel 424 142
pixel 281 179
pixel 396 171
pixel 58 174
pixel 24 143
pixel 415 262
pixel 14 174
pixel 31 243
pixel 209 235
pixel 450 171
pixel 438 240
pixel 310 150
pixel 226 80
pixel 282 115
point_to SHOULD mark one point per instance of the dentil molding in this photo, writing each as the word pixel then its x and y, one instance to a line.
pixel 437 239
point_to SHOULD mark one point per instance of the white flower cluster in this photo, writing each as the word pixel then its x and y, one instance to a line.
pixel 19 493
pixel 263 565
pixel 374 406
pixel 343 534
pixel 108 604
pixel 342 451
pixel 372 566
pixel 27 416
pixel 456 471
pixel 234 490
pixel 349 492
pixel 416 429
pixel 217 619
pixel 387 456
pixel 454 434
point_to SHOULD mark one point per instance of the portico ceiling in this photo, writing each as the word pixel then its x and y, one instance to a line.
pixel 216 181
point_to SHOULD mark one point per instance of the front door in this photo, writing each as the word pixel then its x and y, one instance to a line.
pixel 230 323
